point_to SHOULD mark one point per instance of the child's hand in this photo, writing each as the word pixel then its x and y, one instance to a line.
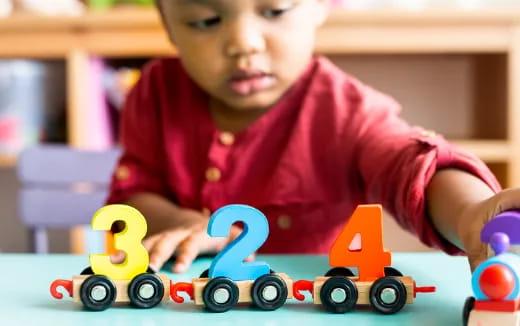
pixel 476 216
pixel 187 240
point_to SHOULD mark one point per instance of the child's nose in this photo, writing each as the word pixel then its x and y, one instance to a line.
pixel 245 38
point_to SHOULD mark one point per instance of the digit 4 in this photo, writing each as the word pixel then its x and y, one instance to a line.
pixel 372 258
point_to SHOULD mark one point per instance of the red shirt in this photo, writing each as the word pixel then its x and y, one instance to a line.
pixel 330 144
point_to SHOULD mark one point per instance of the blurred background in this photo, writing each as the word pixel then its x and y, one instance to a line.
pixel 66 66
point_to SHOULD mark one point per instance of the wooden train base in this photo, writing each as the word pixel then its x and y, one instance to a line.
pixel 493 318
pixel 340 294
pixel 268 292
pixel 98 292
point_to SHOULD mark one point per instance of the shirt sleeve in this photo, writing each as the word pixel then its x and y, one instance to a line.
pixel 397 162
pixel 141 166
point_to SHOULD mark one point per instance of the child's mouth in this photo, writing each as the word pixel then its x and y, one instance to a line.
pixel 247 83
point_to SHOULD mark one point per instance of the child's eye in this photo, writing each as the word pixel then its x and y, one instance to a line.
pixel 274 13
pixel 205 23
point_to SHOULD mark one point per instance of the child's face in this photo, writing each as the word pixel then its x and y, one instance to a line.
pixel 244 53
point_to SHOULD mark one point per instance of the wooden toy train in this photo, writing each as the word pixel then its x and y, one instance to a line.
pixel 230 281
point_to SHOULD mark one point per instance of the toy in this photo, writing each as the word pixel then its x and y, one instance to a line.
pixel 230 280
pixel 378 284
pixel 339 291
pixel 495 282
pixel 104 283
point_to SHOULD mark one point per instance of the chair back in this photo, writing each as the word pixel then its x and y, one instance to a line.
pixel 61 187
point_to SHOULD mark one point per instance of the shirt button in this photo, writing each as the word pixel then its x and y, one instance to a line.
pixel 213 174
pixel 226 138
pixel 428 133
pixel 122 173
pixel 284 222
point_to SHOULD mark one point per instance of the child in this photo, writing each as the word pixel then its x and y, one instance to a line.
pixel 247 114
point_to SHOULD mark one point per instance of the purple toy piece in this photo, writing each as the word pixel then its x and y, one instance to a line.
pixel 507 222
pixel 499 242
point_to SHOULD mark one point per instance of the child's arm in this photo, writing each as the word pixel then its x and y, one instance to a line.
pixel 460 204
pixel 434 189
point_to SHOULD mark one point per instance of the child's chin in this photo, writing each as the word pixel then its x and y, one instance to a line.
pixel 253 102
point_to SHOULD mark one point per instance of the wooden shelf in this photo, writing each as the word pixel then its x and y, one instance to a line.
pixel 130 32
pixel 491 151
pixel 130 17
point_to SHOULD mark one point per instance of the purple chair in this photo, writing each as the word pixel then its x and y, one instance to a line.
pixel 61 187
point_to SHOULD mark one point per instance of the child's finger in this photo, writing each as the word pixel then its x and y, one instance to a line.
pixel 475 261
pixel 234 233
pixel 477 253
pixel 186 254
pixel 149 242
pixel 164 249
pixel 250 257
pixel 118 257
pixel 507 199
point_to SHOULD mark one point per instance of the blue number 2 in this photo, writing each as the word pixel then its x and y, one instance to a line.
pixel 230 261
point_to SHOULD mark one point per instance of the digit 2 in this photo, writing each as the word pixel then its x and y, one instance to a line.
pixel 230 261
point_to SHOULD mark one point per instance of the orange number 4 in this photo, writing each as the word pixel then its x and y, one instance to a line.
pixel 372 258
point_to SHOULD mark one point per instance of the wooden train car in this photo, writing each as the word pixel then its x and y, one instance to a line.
pixel 98 292
pixel 268 292
pixel 340 294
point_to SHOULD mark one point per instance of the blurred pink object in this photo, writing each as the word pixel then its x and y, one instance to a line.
pixel 338 3
pixel 97 116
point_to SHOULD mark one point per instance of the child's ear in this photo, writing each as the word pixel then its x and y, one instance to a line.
pixel 322 12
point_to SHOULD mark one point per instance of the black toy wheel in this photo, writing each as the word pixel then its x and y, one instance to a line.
pixel 390 271
pixel 388 295
pixel 269 292
pixel 338 294
pixel 145 290
pixel 87 271
pixel 220 294
pixel 204 274
pixel 468 306
pixel 97 292
pixel 339 271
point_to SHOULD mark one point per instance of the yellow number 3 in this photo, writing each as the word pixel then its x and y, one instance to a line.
pixel 128 240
